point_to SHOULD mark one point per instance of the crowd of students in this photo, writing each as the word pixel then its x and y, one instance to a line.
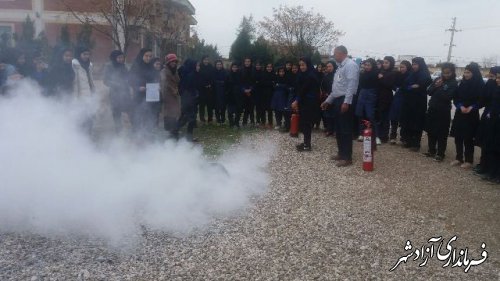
pixel 392 98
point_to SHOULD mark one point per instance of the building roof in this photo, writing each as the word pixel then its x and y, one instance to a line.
pixel 186 4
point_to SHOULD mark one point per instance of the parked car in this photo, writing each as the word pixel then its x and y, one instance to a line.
pixel 436 75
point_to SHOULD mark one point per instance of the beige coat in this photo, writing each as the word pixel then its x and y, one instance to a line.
pixel 170 98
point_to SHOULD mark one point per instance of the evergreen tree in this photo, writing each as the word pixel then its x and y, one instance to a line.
pixel 242 46
pixel 41 46
pixel 316 58
pixel 28 33
pixel 263 51
pixel 84 37
pixel 198 48
pixel 65 37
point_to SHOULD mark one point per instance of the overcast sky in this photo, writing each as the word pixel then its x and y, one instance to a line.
pixel 375 27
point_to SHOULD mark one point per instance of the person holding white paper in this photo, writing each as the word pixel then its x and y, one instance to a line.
pixel 142 73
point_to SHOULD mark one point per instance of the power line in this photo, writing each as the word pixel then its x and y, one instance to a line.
pixel 481 27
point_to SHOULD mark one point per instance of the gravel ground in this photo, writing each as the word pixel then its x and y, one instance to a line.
pixel 317 222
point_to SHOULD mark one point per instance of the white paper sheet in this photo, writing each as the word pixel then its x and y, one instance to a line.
pixel 153 92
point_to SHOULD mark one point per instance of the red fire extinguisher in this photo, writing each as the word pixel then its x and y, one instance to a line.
pixel 294 125
pixel 368 147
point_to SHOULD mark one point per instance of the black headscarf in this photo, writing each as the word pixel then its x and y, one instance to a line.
pixel 421 77
pixel 268 78
pixel 155 60
pixel 78 55
pixel 495 70
pixel 139 61
pixel 26 68
pixel 327 81
pixel 220 74
pixel 307 81
pixel 392 62
pixel 423 70
pixel 491 84
pixel 451 67
pixel 469 90
pixel 234 76
pixel 61 73
pixel 206 73
pixel 247 75
pixel 189 80
pixel 402 78
pixel 477 77
pixel 113 56
pixel 279 79
pixel 310 68
pixel 369 79
pixel 142 73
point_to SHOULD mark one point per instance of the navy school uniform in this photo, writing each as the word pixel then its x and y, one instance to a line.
pixel 145 114
pixel 116 76
pixel 292 90
pixel 234 98
pixel 494 137
pixel 414 105
pixel 367 99
pixel 279 101
pixel 207 96
pixel 248 83
pixel 438 117
pixel 220 95
pixel 485 100
pixel 395 111
pixel 384 102
pixel 190 86
pixel 267 88
pixel 326 89
pixel 307 97
pixel 464 127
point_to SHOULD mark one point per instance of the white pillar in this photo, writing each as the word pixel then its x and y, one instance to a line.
pixel 38 11
pixel 120 29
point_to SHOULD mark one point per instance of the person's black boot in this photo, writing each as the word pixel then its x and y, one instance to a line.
pixel 303 148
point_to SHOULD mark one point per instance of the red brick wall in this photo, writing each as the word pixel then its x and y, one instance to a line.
pixel 103 46
pixel 17 4
pixel 76 5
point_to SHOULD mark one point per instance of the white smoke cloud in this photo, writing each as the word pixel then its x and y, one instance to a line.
pixel 55 181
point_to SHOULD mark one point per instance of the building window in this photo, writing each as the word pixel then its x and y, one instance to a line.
pixel 6 32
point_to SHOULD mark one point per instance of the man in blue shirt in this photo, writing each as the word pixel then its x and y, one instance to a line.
pixel 345 85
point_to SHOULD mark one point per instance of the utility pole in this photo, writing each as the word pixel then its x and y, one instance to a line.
pixel 453 29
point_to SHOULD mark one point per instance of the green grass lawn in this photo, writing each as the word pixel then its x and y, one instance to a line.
pixel 216 139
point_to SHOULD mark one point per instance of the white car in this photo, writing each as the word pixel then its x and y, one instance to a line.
pixel 436 75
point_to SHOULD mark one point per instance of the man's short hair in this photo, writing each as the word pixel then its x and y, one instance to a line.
pixel 341 49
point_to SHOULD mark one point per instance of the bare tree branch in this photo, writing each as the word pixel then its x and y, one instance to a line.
pixel 296 31
pixel 111 18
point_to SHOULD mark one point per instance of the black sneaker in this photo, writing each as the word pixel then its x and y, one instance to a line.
pixel 488 177
pixel 302 147
pixel 439 158
pixel 430 155
pixel 477 168
pixel 415 148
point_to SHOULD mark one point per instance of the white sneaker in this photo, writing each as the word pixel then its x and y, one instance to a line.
pixel 277 127
pixel 455 163
pixel 360 138
pixel 379 142
pixel 466 166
